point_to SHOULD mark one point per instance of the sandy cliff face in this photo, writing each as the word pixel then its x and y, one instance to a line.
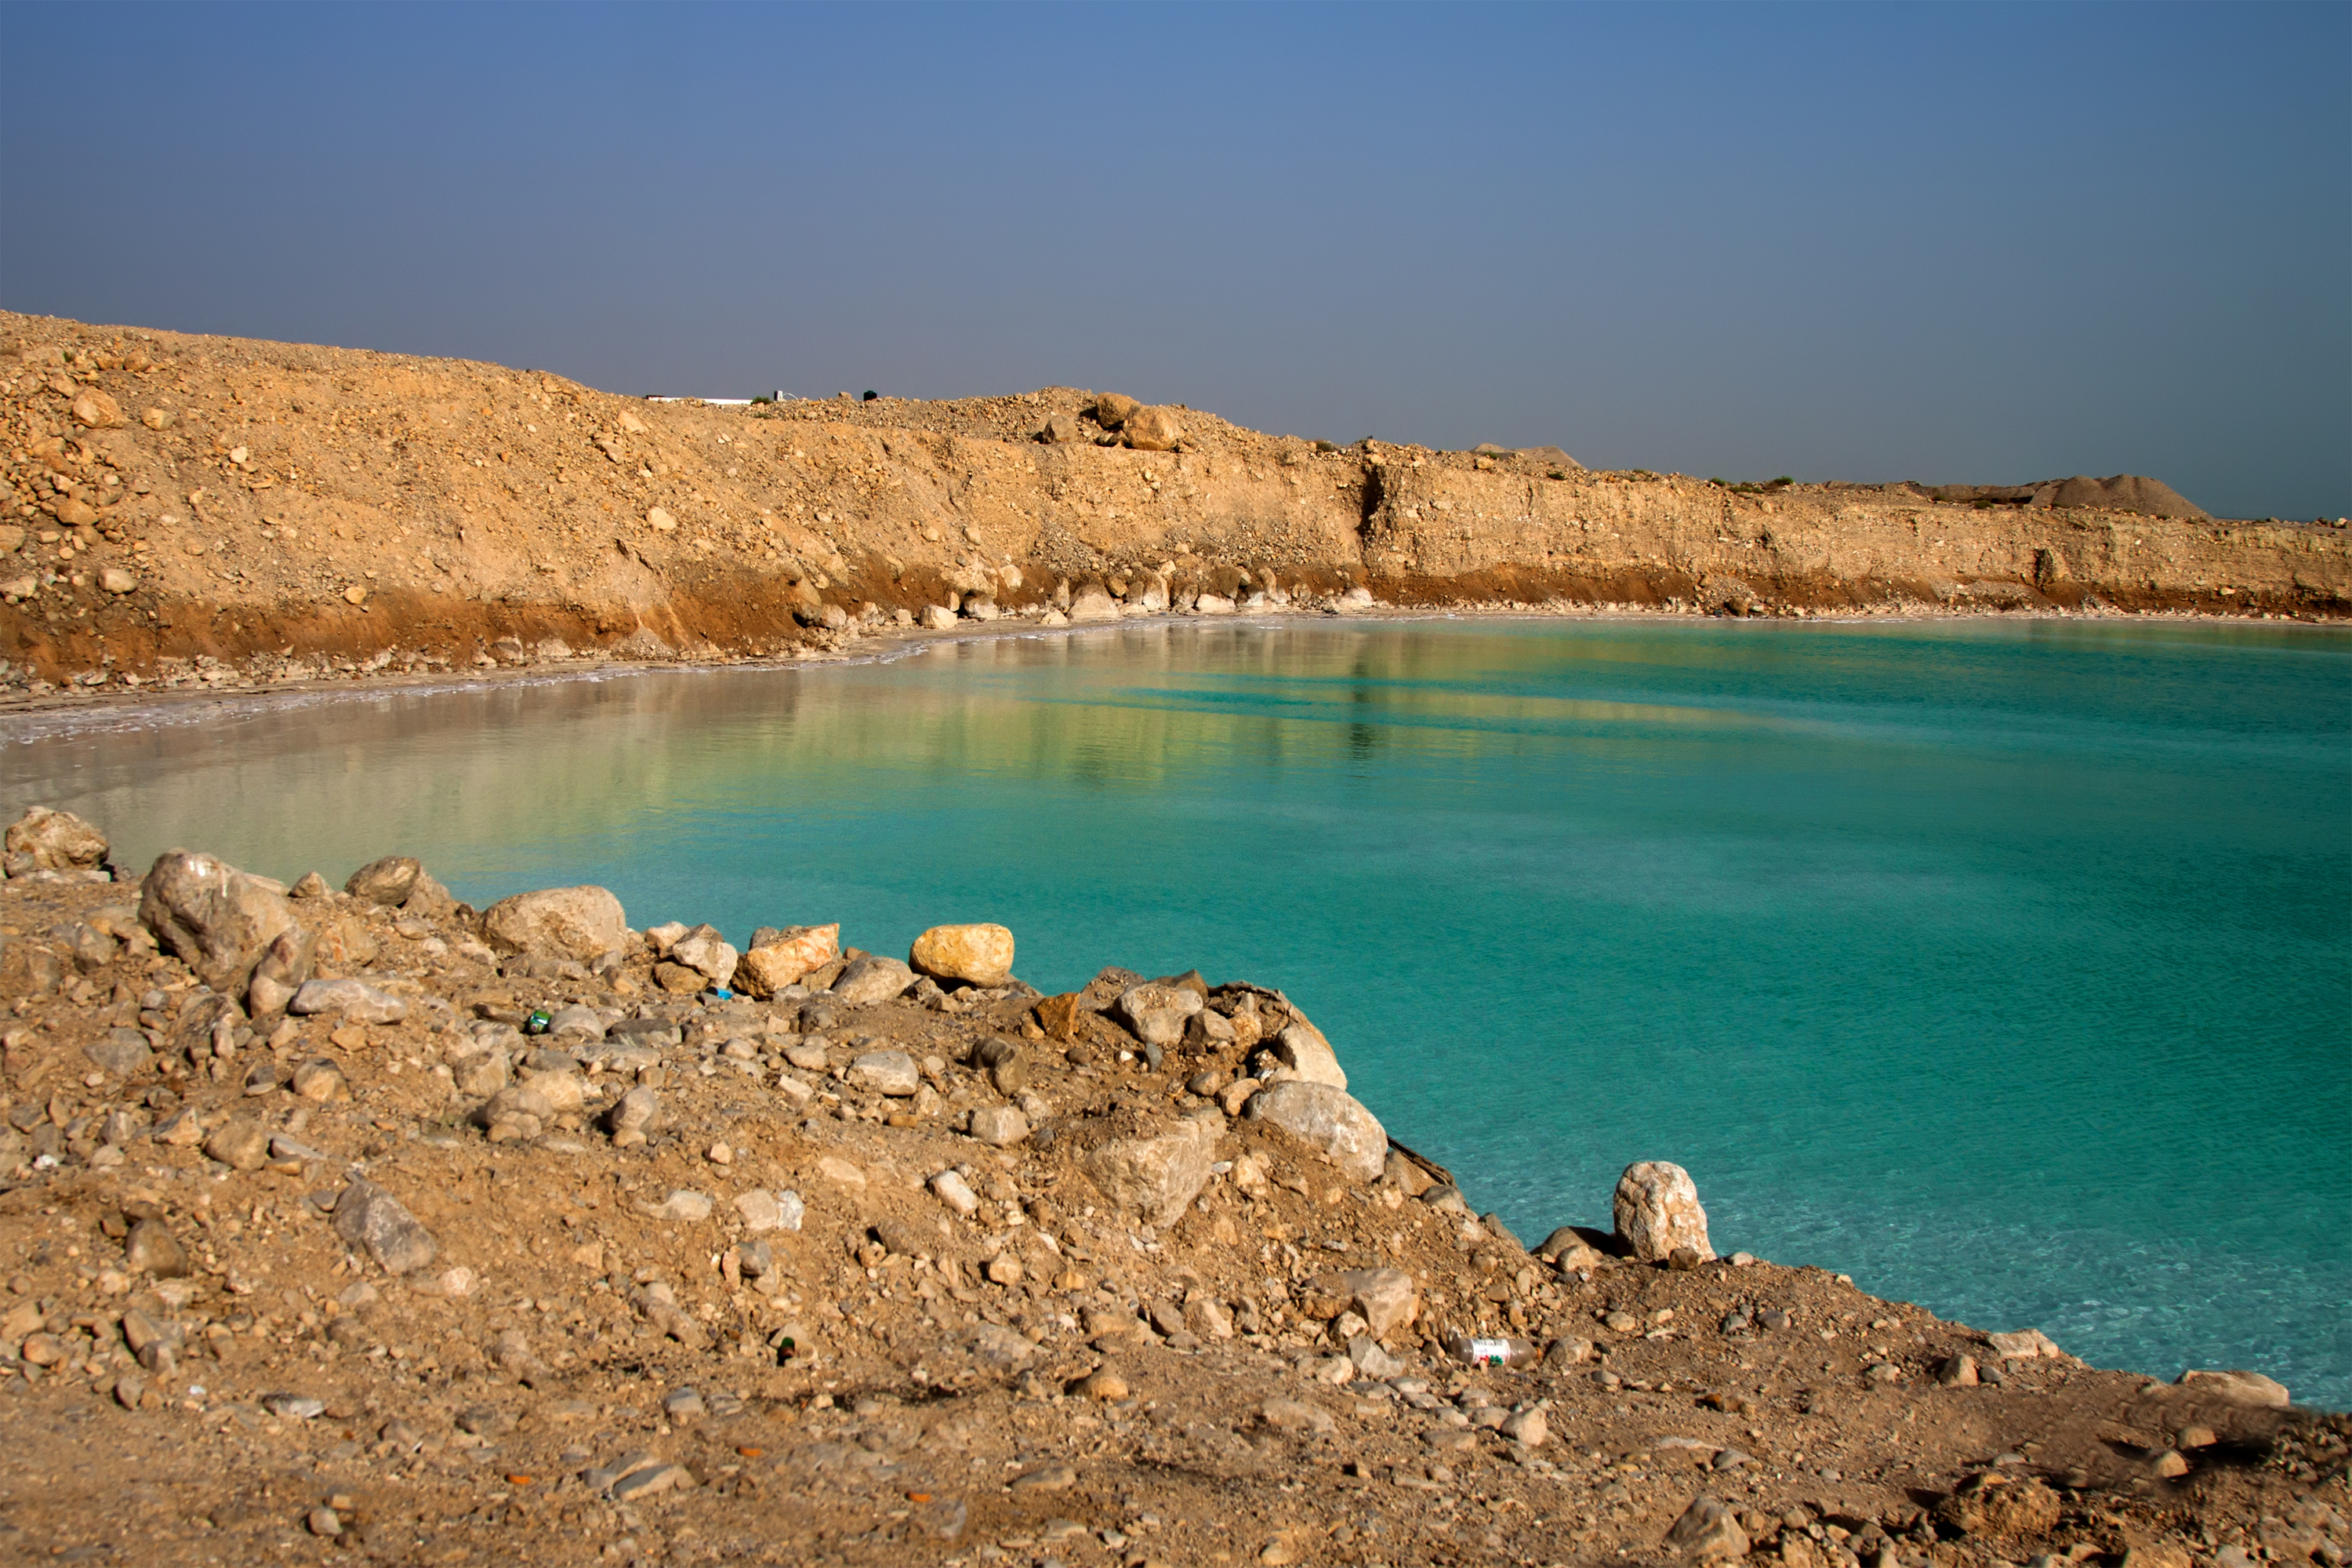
pixel 291 510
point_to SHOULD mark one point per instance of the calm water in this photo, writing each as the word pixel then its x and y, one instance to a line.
pixel 2006 967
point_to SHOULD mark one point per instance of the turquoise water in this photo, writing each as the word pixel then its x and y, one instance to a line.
pixel 2007 967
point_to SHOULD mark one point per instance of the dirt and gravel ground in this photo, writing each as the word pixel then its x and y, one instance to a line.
pixel 963 1275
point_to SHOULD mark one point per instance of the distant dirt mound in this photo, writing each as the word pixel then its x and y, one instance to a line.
pixel 2117 492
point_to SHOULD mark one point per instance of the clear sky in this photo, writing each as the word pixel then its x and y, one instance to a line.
pixel 1974 243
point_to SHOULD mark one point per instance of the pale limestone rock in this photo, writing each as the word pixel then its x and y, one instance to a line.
pixel 352 999
pixel 371 1219
pixel 952 1190
pixel 2025 1344
pixel 633 1114
pixel 1383 1297
pixel 321 1080
pixel 891 1073
pixel 517 1111
pixel 1157 1174
pixel 774 965
pixel 1327 1119
pixel 579 924
pixel 682 1205
pixel 1156 1013
pixel 479 1072
pixel 2239 1387
pixel 999 1126
pixel 1302 1049
pixel 1000 1348
pixel 1152 430
pixel 387 881
pixel 216 918
pixel 1657 1210
pixel 872 980
pixel 566 1092
pixel 56 840
pixel 709 955
pixel 1708 1530
pixel 1207 1319
pixel 96 410
pixel 1529 1429
pixel 281 971
pixel 977 954
pixel 764 1211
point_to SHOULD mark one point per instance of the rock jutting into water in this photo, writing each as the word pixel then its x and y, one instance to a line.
pixel 493 1232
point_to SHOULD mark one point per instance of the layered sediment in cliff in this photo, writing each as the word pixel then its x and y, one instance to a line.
pixel 288 510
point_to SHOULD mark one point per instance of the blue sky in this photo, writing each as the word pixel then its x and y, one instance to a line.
pixel 1971 243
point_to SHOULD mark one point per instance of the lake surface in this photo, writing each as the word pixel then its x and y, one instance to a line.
pixel 2005 966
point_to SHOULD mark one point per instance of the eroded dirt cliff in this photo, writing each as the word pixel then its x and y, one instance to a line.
pixel 183 506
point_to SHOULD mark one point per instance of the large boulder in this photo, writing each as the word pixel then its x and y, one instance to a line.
pixel 579 924
pixel 1327 1119
pixel 55 841
pixel 1091 602
pixel 217 919
pixel 872 980
pixel 975 954
pixel 1302 1049
pixel 1156 1172
pixel 781 960
pixel 1152 430
pixel 1113 409
pixel 1658 1211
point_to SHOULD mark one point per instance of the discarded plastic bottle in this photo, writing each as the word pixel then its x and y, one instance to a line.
pixel 720 993
pixel 537 1023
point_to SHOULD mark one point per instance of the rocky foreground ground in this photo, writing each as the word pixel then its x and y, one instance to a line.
pixel 190 510
pixel 360 1225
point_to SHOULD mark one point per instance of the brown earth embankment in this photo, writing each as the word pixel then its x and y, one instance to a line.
pixel 176 503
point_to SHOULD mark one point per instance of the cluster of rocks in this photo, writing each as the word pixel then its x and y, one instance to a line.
pixel 428 1226
pixel 1118 420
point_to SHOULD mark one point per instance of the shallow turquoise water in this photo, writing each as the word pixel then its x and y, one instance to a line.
pixel 2007 967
